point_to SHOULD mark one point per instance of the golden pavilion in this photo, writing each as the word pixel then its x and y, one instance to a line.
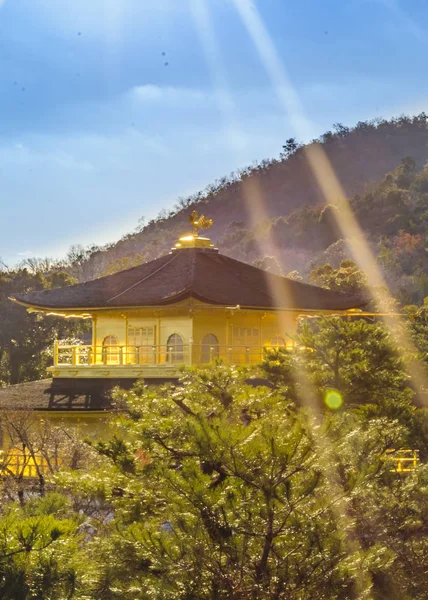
pixel 189 307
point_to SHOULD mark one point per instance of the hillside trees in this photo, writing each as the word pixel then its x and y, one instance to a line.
pixel 126 262
pixel 269 264
pixel 289 148
pixel 360 156
pixel 388 196
pixel 348 278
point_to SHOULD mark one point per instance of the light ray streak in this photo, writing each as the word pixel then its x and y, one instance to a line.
pixel 252 192
pixel 238 139
pixel 412 26
pixel 255 205
pixel 330 187
pixel 200 12
pixel 333 193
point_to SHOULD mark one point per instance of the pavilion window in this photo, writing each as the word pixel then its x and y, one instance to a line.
pixel 140 336
pixel 246 336
pixel 175 348
pixel 277 342
pixel 209 348
pixel 141 345
pixel 111 350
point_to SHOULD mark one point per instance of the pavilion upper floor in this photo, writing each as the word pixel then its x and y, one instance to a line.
pixel 156 342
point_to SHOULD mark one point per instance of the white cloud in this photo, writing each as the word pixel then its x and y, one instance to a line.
pixel 31 156
pixel 169 95
pixel 80 155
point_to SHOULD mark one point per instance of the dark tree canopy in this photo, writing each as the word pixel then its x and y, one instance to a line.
pixel 26 338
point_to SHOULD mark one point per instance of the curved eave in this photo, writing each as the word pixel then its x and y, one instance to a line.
pixel 26 304
pixel 357 308
pixel 60 312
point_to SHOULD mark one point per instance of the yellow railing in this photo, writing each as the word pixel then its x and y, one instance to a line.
pixel 404 460
pixel 14 462
pixel 157 355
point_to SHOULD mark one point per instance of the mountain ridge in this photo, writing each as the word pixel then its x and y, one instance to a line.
pixel 360 156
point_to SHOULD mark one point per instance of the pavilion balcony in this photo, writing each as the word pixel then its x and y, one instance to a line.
pixel 146 361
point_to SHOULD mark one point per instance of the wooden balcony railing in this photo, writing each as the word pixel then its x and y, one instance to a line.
pixel 156 355
pixel 403 461
pixel 19 463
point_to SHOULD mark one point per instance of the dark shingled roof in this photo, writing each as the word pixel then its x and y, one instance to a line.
pixel 33 395
pixel 62 394
pixel 192 272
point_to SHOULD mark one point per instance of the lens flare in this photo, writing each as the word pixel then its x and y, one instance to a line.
pixel 333 399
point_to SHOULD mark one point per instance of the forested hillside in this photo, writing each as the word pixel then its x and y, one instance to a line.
pixel 298 237
pixel 393 214
pixel 361 156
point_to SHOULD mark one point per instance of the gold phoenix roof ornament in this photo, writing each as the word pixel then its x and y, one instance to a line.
pixel 193 240
pixel 199 222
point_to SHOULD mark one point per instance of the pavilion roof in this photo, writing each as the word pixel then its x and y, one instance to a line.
pixel 198 273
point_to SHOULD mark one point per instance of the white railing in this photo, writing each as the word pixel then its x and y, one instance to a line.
pixel 156 355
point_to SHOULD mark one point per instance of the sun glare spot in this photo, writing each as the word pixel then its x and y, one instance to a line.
pixel 333 399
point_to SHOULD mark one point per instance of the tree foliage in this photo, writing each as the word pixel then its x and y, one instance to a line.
pixel 218 489
pixel 341 354
pixel 38 552
pixel 226 491
pixel 348 278
pixel 26 338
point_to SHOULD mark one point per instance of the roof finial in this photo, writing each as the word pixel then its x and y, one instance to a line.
pixel 199 222
pixel 192 240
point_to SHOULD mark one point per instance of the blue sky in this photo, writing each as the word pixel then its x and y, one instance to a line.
pixel 112 109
